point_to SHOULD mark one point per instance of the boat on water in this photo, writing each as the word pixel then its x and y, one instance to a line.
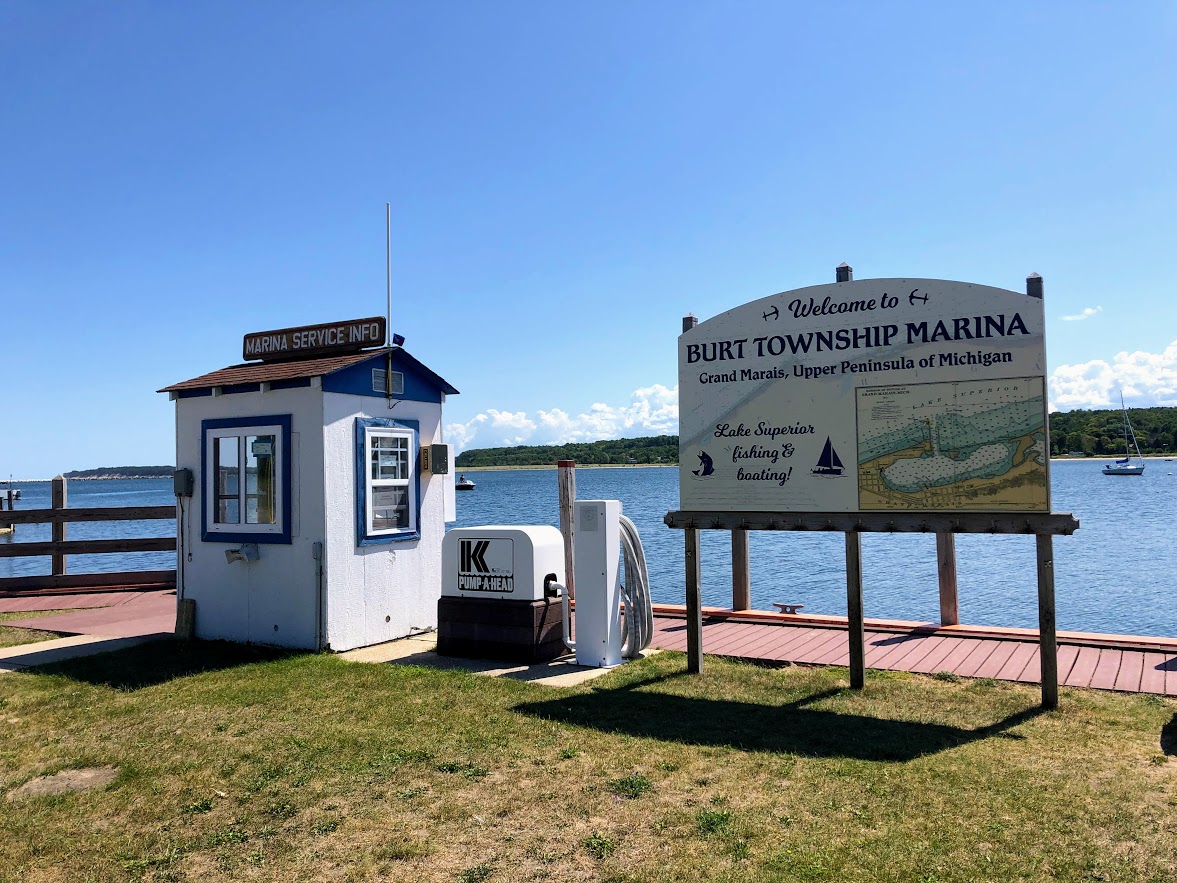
pixel 463 484
pixel 828 463
pixel 1129 465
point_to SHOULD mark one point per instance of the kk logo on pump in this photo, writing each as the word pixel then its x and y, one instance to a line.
pixel 486 565
pixel 472 556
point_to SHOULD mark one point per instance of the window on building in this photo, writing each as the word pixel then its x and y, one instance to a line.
pixel 247 479
pixel 387 480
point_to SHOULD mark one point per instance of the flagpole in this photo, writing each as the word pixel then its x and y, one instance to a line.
pixel 388 320
pixel 388 268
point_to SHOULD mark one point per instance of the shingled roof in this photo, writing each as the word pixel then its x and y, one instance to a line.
pixel 268 372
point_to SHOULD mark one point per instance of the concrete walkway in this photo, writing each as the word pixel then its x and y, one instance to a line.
pixel 110 624
pixel 422 650
pixel 44 652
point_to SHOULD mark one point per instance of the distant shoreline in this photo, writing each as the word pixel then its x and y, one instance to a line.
pixel 5 482
pixel 578 466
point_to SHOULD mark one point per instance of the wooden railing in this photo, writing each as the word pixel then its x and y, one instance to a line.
pixel 59 548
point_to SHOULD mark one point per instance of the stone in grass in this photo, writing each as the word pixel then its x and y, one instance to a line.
pixel 65 782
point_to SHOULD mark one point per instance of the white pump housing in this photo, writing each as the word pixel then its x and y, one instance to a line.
pixel 598 602
pixel 508 563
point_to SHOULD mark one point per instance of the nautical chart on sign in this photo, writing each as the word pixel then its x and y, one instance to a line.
pixel 961 445
pixel 868 395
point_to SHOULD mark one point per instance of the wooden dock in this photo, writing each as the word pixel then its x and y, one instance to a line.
pixel 1127 663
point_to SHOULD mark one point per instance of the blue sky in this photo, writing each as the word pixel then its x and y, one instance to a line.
pixel 567 181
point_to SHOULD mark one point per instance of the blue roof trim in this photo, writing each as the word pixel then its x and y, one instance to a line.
pixel 421 384
pixel 194 393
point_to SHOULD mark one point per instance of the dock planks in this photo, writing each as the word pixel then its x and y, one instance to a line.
pixel 1004 655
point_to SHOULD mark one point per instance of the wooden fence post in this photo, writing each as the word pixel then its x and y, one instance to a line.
pixel 854 616
pixel 946 566
pixel 566 479
pixel 1047 637
pixel 741 577
pixel 59 502
pixel 8 526
pixel 694 602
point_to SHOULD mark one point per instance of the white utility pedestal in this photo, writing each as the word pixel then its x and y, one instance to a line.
pixel 598 585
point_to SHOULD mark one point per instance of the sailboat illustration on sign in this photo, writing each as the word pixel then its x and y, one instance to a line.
pixel 828 463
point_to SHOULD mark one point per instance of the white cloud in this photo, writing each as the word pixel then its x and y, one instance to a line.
pixel 652 410
pixel 1147 379
pixel 1087 313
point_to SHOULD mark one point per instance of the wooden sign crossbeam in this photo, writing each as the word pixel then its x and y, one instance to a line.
pixel 880 522
pixel 1043 526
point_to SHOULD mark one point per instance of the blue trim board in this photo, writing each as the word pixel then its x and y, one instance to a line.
pixel 283 422
pixel 362 537
pixel 421 384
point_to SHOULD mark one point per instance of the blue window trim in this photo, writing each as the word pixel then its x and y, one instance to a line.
pixel 283 422
pixel 362 536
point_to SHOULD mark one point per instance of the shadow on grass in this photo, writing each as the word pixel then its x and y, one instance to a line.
pixel 158 662
pixel 793 727
pixel 1169 737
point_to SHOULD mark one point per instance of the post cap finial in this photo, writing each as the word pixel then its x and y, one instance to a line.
pixel 1034 285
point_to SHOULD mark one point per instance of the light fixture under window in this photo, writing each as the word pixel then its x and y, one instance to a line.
pixel 247 553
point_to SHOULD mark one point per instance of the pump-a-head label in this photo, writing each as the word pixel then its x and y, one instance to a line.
pixel 486 565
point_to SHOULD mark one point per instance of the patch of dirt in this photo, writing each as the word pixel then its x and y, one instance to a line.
pixel 65 782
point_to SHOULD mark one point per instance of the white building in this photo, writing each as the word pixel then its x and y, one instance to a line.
pixel 318 504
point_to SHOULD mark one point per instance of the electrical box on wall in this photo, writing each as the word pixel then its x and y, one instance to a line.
pixel 435 459
pixel 184 482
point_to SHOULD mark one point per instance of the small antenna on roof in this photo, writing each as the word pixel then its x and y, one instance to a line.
pixel 388 320
pixel 388 268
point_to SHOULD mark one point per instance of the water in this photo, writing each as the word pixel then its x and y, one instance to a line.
pixel 93 494
pixel 1113 575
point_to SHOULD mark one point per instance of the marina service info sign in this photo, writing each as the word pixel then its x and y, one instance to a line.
pixel 880 394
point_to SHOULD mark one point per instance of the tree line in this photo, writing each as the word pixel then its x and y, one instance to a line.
pixel 1096 433
pixel 1092 433
pixel 655 449
pixel 123 472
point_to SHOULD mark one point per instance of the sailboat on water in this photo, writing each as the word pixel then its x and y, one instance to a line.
pixel 1129 465
pixel 828 463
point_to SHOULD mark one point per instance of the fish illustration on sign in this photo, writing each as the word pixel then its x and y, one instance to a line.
pixel 708 466
pixel 828 463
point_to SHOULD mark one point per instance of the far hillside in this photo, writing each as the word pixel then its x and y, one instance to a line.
pixel 1094 433
pixel 657 449
pixel 1099 433
pixel 122 472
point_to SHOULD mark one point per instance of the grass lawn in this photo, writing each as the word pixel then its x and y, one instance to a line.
pixel 243 764
pixel 11 637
